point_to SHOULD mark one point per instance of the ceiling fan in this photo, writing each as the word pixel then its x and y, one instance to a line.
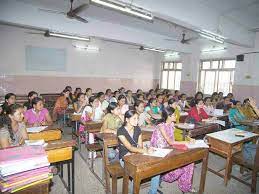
pixel 72 13
pixel 183 40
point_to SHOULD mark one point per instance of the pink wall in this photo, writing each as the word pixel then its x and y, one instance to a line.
pixel 244 91
pixel 188 87
pixel 52 84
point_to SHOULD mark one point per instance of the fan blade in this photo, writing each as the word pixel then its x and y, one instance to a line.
pixel 191 39
pixel 41 33
pixel 80 18
pixel 171 39
pixel 52 11
pixel 80 8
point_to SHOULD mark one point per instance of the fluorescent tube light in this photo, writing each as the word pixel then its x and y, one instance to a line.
pixel 208 32
pixel 59 35
pixel 174 54
pixel 213 50
pixel 154 49
pixel 213 38
pixel 125 8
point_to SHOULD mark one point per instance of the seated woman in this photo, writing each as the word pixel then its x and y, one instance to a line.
pixel 130 138
pixel 93 112
pixel 144 117
pixel 38 115
pixel 183 102
pixel 208 107
pixel 10 99
pixel 130 99
pixel 197 112
pixel 163 136
pixel 153 110
pixel 61 105
pixel 248 110
pixel 236 115
pixel 88 94
pixel 112 120
pixel 80 103
pixel 115 96
pixel 12 128
pixel 122 104
pixel 28 105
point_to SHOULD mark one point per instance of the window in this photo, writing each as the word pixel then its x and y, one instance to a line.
pixel 171 75
pixel 216 76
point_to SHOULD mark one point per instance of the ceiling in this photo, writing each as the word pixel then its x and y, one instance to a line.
pixel 218 16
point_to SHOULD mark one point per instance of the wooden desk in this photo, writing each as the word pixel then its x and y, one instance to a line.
pixel 49 134
pixel 225 144
pixel 199 130
pixel 62 152
pixel 140 167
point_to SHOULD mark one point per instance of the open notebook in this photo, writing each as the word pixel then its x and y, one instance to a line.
pixel 160 152
pixel 36 129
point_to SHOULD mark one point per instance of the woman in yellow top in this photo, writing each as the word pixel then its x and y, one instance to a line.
pixel 177 132
pixel 113 119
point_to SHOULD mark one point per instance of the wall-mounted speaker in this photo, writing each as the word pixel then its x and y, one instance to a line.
pixel 240 58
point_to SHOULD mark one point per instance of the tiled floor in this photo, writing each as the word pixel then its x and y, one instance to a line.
pixel 86 183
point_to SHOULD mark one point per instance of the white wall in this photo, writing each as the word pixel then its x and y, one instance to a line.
pixel 114 61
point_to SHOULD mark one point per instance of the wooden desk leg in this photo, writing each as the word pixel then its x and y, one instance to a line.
pixel 125 182
pixel 203 173
pixel 136 184
pixel 68 176
pixel 228 165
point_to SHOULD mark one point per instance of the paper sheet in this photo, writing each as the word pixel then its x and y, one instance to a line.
pixel 39 142
pixel 36 129
pixel 220 122
pixel 160 152
pixel 197 144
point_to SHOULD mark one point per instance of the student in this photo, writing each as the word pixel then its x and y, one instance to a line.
pixel 214 95
pixel 183 102
pixel 130 138
pixel 144 118
pixel 198 96
pixel 28 105
pixel 77 91
pixel 139 91
pixel 80 103
pixel 16 132
pixel 231 97
pixel 61 104
pixel 10 99
pixel 197 112
pixel 152 109
pixel 103 103
pixel 122 104
pixel 70 98
pixel 129 98
pixel 140 97
pixel 38 115
pixel 220 97
pixel 93 110
pixel 248 110
pixel 208 107
pixel 88 94
pixel 122 91
pixel 236 115
pixel 108 95
pixel 113 119
pixel 115 96
pixel 162 137
pixel 225 104
pixel 176 95
pixel 160 99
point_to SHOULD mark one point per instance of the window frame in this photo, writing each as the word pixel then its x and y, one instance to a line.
pixel 217 72
pixel 174 69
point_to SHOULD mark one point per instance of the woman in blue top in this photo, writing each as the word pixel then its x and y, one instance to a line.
pixel 236 115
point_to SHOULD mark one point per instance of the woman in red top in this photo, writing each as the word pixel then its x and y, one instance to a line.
pixel 197 112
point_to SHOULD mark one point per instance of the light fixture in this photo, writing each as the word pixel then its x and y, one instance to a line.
pixel 172 54
pixel 211 36
pixel 154 49
pixel 59 35
pixel 87 48
pixel 213 50
pixel 126 8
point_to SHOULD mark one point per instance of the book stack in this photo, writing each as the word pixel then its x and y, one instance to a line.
pixel 22 167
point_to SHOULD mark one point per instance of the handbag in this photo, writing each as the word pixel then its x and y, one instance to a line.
pixel 249 151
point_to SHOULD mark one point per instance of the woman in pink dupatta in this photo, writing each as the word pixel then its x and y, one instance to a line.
pixel 163 136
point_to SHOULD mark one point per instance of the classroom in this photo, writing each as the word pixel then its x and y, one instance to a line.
pixel 129 96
